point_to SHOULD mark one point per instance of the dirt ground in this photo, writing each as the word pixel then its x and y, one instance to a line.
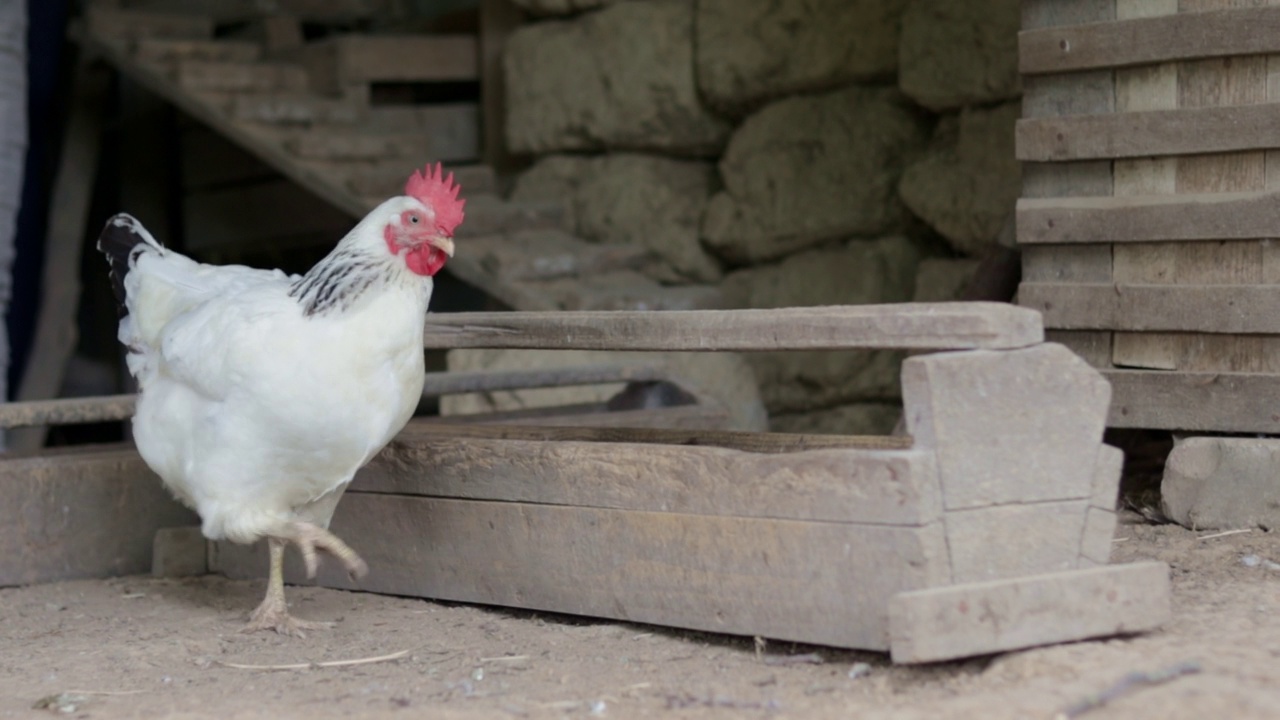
pixel 139 647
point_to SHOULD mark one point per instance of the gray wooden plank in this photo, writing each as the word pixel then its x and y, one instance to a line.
pixel 952 326
pixel 1149 40
pixel 1195 401
pixel 1183 131
pixel 945 623
pixel 80 514
pixel 878 487
pixel 826 583
pixel 1146 218
pixel 1187 308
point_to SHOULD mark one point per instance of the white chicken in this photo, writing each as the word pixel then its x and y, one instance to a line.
pixel 261 394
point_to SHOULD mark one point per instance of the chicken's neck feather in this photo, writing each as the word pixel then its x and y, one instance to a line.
pixel 337 281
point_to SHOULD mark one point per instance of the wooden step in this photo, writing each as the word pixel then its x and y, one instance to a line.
pixel 163 51
pixel 203 76
pixel 294 109
pixel 338 62
pixel 121 26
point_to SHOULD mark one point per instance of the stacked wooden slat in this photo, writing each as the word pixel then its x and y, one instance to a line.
pixel 1151 194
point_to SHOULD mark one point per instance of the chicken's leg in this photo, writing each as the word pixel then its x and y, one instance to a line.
pixel 273 613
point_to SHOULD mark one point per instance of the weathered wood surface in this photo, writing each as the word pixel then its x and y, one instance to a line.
pixel 1151 133
pixel 705 572
pixel 1200 401
pixel 82 514
pixel 1148 218
pixel 345 60
pixel 939 623
pixel 163 50
pixel 648 470
pixel 1150 40
pixel 200 76
pixel 1166 307
pixel 56 331
pixel 936 326
pixel 701 417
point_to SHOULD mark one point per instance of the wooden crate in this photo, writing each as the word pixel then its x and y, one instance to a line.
pixel 1150 199
pixel 988 529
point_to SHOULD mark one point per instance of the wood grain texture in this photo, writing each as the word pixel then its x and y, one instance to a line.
pixel 1149 40
pixel 80 514
pixel 1149 218
pixel 1195 401
pixel 819 582
pixel 1165 307
pixel 838 484
pixel 1139 134
pixel 952 326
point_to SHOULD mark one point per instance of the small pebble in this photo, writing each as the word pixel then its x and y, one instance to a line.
pixel 1251 560
pixel 859 670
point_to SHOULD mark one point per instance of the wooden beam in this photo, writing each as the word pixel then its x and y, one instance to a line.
pixel 936 326
pixel 1195 401
pixel 87 513
pixel 1150 40
pixel 1146 218
pixel 1188 308
pixel 1183 131
pixel 821 582
pixel 346 60
pixel 56 333
pixel 498 19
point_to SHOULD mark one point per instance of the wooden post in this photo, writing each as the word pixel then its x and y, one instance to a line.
pixel 55 337
pixel 498 18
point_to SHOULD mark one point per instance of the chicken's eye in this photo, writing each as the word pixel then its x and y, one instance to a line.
pixel 414 219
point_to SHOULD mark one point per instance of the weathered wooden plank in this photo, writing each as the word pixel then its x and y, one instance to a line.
pixel 1094 347
pixel 723 574
pixel 700 417
pixel 1167 307
pixel 450 135
pixel 953 326
pixel 80 514
pixel 1208 401
pixel 338 62
pixel 944 623
pixel 201 76
pixel 56 330
pixel 1148 218
pixel 1149 40
pixel 876 487
pixel 163 50
pixel 1140 134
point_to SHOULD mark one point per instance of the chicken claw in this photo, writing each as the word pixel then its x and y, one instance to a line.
pixel 308 537
pixel 273 612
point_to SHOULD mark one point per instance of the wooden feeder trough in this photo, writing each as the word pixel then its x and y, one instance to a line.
pixel 988 529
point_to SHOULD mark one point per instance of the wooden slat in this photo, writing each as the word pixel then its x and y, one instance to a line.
pixel 80 514
pixel 345 60
pixel 1207 402
pixel 1150 40
pixel 1146 218
pixel 937 326
pixel 1141 134
pixel 1186 308
pixel 821 582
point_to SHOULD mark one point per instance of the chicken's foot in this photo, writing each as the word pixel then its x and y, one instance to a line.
pixel 273 612
pixel 309 537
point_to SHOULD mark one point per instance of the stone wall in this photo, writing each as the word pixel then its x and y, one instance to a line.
pixel 787 152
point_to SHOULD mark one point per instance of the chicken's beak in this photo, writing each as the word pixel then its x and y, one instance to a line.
pixel 445 244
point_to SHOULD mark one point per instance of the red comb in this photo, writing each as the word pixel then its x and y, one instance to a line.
pixel 437 192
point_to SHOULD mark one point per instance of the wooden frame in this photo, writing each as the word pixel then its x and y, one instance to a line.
pixel 857 542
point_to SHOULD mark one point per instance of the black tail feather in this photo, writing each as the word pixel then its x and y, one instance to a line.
pixel 122 240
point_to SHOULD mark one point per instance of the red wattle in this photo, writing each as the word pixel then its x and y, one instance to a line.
pixel 421 259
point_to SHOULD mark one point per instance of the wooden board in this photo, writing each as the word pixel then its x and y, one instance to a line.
pixel 1164 307
pixel 821 582
pixel 936 326
pixel 1148 218
pixel 1149 40
pixel 339 62
pixel 1195 401
pixel 1140 134
pixel 87 513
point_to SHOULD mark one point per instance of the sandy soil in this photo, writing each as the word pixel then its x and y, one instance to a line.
pixel 138 647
